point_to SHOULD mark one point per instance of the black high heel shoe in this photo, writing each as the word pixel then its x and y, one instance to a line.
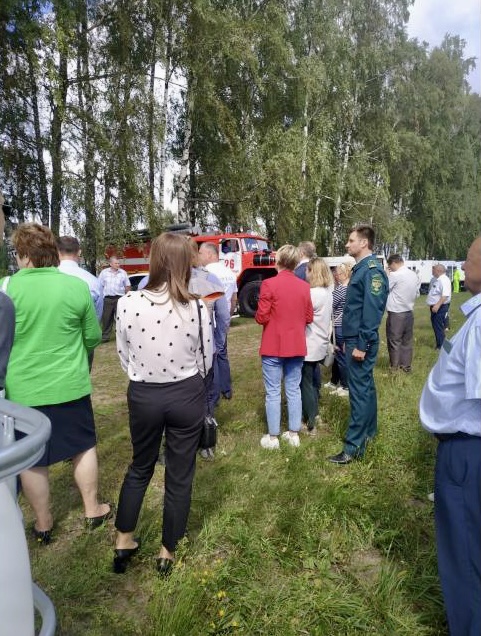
pixel 164 566
pixel 91 523
pixel 42 537
pixel 123 556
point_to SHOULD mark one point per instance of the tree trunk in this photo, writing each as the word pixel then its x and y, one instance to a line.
pixel 59 105
pixel 42 176
pixel 108 216
pixel 336 226
pixel 183 213
pixel 164 115
pixel 150 133
pixel 86 106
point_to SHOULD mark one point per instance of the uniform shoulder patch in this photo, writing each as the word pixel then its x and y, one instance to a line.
pixel 372 263
pixel 376 284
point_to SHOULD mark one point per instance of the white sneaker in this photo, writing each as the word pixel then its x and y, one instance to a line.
pixel 431 497
pixel 341 392
pixel 330 386
pixel 291 438
pixel 269 442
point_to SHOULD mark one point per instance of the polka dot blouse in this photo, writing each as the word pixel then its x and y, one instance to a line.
pixel 158 340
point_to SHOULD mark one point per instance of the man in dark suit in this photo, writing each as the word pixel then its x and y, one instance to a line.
pixel 307 250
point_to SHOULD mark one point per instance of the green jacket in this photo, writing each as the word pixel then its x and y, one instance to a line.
pixel 366 300
pixel 55 325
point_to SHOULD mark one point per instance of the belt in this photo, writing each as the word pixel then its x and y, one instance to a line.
pixel 120 296
pixel 444 437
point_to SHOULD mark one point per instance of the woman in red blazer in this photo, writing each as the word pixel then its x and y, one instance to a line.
pixel 284 310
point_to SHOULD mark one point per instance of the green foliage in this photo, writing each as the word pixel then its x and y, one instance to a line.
pixel 301 116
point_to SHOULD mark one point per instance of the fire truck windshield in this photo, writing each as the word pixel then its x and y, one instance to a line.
pixel 255 245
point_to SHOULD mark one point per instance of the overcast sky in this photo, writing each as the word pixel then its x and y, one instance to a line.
pixel 431 19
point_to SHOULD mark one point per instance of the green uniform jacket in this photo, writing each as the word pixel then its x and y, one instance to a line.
pixel 366 299
pixel 55 326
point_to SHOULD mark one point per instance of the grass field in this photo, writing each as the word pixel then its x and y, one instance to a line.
pixel 279 543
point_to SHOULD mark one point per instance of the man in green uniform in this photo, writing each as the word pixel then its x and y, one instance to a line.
pixel 365 303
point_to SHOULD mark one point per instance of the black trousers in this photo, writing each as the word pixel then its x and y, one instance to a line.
pixel 176 410
pixel 108 315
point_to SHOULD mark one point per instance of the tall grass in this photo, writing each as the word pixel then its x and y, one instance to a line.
pixel 279 543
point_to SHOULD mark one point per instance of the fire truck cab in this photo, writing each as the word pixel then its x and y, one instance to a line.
pixel 248 255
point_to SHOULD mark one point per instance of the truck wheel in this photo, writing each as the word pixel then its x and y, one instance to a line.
pixel 249 297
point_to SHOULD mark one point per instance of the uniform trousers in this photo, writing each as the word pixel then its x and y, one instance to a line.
pixel 438 322
pixel 176 410
pixel 458 531
pixel 399 336
pixel 362 398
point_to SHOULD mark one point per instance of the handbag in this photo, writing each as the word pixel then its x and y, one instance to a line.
pixel 329 359
pixel 208 436
pixel 331 347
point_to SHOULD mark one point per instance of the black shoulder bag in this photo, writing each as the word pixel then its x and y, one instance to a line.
pixel 208 437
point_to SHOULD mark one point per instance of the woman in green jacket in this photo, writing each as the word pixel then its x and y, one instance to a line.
pixel 55 327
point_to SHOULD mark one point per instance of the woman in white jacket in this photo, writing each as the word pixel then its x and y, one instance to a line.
pixel 318 335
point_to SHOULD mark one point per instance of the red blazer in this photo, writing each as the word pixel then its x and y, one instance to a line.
pixel 284 309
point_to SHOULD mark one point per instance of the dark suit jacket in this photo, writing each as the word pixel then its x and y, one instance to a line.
pixel 301 270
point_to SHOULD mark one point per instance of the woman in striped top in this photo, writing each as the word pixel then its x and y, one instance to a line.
pixel 339 371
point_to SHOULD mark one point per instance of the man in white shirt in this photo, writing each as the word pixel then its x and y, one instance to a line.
pixel 115 283
pixel 403 290
pixel 69 253
pixel 209 258
pixel 450 408
pixel 438 300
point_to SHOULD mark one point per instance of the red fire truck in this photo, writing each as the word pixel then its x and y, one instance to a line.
pixel 248 255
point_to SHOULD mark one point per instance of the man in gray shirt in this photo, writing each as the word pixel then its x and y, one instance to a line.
pixel 403 290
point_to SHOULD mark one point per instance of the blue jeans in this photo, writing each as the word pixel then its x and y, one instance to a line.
pixel 273 369
pixel 212 388
pixel 223 368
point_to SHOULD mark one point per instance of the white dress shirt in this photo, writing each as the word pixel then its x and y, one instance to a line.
pixel 114 281
pixel 403 290
pixel 158 340
pixel 451 398
pixel 438 287
pixel 72 268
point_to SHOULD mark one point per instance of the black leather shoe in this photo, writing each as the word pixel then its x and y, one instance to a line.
pixel 123 556
pixel 227 395
pixel 341 458
pixel 42 537
pixel 164 566
pixel 95 522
